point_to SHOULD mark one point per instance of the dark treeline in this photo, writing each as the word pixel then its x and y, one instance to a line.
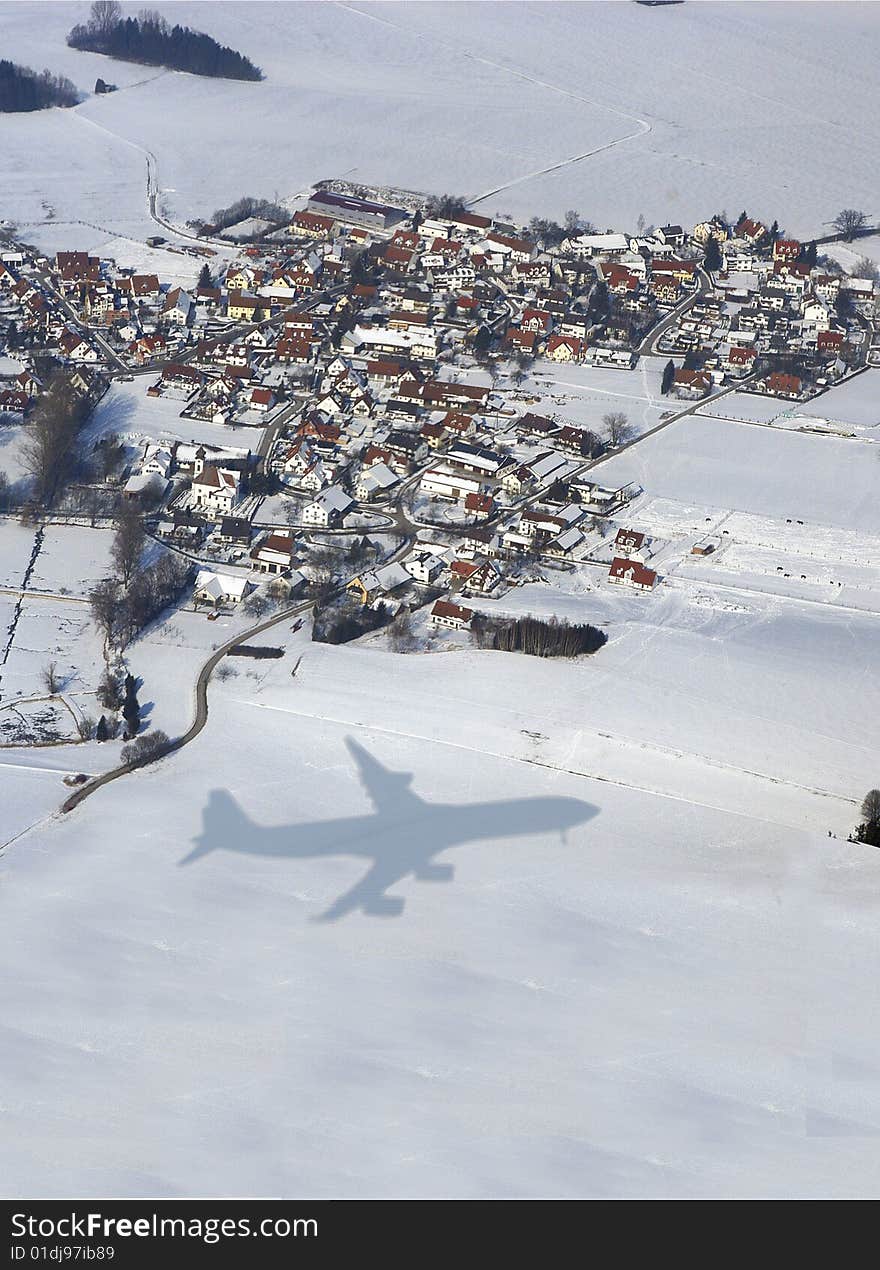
pixel 22 89
pixel 150 40
pixel 335 626
pixel 246 207
pixel 537 638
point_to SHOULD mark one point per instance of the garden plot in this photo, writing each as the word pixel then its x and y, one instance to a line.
pixel 60 632
pixel 582 395
pixel 71 560
pixel 16 545
pixel 36 721
pixel 126 409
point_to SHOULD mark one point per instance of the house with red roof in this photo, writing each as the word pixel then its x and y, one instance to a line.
pixel 631 573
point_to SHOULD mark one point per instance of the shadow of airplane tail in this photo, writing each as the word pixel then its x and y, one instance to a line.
pixel 222 819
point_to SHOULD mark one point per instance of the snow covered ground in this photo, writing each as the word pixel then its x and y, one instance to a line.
pixel 850 408
pixel 659 998
pixel 779 474
pixel 583 395
pixel 127 410
pixel 616 109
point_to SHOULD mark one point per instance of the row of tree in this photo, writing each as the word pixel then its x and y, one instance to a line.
pixel 536 637
pixel 22 89
pixel 124 603
pixel 150 40
pixel 246 207
pixel 51 452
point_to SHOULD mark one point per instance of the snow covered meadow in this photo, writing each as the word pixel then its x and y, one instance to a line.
pixel 619 110
pixel 656 997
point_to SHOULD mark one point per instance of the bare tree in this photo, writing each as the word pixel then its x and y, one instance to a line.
pixel 49 454
pixel 109 692
pixel 850 222
pixel 128 543
pixel 144 748
pixel 401 633
pixel 618 428
pixel 51 679
pixel 522 368
pixel 105 600
pixel 105 15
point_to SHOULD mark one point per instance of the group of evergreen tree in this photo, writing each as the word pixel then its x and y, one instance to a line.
pixel 131 708
pixel 150 40
pixel 532 635
pixel 869 830
pixel 712 260
pixel 22 89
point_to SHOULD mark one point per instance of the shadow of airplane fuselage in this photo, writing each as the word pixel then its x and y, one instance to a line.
pixel 401 838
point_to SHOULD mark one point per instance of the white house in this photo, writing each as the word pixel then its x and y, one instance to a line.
pixel 179 307
pixel 587 245
pixel 220 588
pixel 156 461
pixel 426 566
pixel 216 489
pixel 275 553
pixel 329 509
pixel 375 481
pixel 445 482
pixel 631 573
pixel 453 616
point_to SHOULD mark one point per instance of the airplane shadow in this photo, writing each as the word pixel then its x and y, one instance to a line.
pixel 401 838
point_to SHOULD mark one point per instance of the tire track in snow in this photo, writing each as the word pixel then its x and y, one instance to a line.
pixel 643 128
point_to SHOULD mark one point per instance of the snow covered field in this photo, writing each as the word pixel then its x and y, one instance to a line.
pixel 583 395
pixel 778 474
pixel 617 109
pixel 127 410
pixel 569 1013
pixel 851 408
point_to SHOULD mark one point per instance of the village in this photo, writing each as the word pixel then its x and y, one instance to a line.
pixel 350 410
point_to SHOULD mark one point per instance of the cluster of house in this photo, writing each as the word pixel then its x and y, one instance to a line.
pixel 34 320
pixel 349 336
pixel 776 320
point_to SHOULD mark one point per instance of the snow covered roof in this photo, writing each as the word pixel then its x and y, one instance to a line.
pixel 218 585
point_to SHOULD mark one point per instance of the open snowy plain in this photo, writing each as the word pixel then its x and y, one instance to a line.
pixel 467 923
pixel 617 109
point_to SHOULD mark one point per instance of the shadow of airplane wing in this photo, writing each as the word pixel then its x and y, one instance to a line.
pixel 387 791
pixel 369 894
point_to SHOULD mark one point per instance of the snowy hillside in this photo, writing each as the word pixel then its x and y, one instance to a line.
pixel 616 109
